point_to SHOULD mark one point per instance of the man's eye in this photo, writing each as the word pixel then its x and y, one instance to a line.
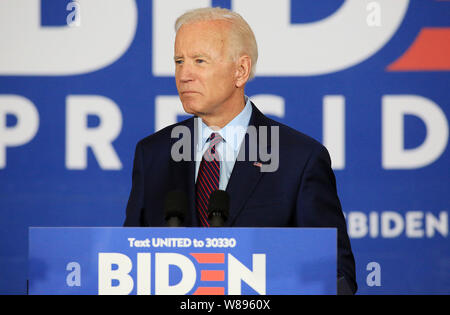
pixel 178 62
pixel 200 60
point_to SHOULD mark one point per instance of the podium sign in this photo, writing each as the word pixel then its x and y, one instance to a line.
pixel 199 261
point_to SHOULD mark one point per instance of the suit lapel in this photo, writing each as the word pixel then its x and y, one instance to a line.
pixel 245 175
pixel 243 180
pixel 191 176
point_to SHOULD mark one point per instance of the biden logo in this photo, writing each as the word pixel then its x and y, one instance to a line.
pixel 179 274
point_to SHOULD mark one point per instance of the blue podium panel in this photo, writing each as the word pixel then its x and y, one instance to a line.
pixel 200 261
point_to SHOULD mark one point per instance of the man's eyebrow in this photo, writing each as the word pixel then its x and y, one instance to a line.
pixel 200 56
pixel 193 56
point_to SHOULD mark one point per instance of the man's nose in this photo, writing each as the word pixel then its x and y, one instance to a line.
pixel 185 73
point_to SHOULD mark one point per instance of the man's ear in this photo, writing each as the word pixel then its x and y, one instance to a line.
pixel 244 67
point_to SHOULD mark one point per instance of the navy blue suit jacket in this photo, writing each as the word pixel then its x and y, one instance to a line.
pixel 301 193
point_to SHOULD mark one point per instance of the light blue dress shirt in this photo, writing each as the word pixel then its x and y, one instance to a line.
pixel 233 134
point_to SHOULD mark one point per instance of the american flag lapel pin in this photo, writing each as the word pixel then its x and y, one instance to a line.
pixel 257 164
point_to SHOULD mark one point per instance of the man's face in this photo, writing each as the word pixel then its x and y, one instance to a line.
pixel 204 72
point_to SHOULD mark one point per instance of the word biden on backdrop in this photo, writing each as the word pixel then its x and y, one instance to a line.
pixel 115 269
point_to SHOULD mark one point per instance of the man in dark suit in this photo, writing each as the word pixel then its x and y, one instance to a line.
pixel 215 56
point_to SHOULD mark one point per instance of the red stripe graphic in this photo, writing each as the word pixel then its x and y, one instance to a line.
pixel 212 275
pixel 209 258
pixel 209 291
pixel 429 52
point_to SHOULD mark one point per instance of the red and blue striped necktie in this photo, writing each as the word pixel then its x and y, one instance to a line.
pixel 207 178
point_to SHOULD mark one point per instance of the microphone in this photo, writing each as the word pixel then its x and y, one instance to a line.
pixel 175 208
pixel 219 208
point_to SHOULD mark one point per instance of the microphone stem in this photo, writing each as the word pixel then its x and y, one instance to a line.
pixel 216 221
pixel 173 222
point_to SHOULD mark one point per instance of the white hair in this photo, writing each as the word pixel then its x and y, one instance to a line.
pixel 242 38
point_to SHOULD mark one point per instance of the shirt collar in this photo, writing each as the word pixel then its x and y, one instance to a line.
pixel 232 133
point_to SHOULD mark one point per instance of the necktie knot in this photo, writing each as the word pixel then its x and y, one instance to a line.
pixel 214 139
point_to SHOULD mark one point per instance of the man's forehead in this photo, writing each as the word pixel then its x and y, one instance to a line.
pixel 200 37
pixel 211 30
pixel 207 24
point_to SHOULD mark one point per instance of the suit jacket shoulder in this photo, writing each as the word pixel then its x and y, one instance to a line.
pixel 163 136
pixel 154 175
pixel 289 137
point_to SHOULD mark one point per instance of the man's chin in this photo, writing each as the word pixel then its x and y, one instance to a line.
pixel 193 110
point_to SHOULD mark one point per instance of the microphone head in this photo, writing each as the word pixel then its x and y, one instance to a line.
pixel 219 205
pixel 175 205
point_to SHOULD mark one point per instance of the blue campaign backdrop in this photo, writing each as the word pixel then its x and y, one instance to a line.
pixel 82 81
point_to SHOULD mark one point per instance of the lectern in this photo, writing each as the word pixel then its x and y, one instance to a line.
pixel 179 261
